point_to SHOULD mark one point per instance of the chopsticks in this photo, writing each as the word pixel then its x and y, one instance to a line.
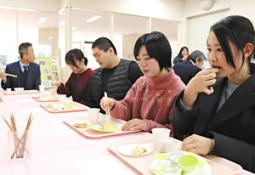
pixel 24 136
pixel 16 139
pixel 11 75
pixel 19 143
pixel 108 108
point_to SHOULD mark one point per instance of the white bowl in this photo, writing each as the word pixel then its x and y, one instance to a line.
pixel 8 89
pixel 19 89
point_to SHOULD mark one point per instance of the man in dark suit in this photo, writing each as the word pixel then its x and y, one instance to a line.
pixel 189 68
pixel 28 73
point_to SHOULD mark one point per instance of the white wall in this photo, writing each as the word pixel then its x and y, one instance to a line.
pixel 196 22
pixel 44 34
pixel 128 45
pixel 237 7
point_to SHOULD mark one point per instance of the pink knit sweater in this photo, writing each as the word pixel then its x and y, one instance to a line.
pixel 150 99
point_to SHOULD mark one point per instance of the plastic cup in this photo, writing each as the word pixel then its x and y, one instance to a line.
pixel 41 89
pixel 8 89
pixel 19 89
pixel 94 115
pixel 160 140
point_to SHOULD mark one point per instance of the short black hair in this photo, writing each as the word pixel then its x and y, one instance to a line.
pixel 104 44
pixel 197 56
pixel 23 48
pixel 75 54
pixel 180 52
pixel 234 29
pixel 157 47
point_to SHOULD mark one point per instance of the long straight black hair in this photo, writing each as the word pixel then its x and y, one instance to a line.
pixel 237 30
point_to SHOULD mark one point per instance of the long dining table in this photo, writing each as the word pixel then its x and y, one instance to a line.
pixel 57 149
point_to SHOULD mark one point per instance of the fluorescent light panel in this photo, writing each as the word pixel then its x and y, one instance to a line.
pixel 94 18
pixel 7 8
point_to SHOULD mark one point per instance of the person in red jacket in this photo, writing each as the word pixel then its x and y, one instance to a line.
pixel 77 82
pixel 149 102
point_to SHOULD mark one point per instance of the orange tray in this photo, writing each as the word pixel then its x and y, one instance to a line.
pixel 21 93
pixel 56 107
pixel 89 133
pixel 50 99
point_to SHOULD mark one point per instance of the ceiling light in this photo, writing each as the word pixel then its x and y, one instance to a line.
pixel 50 38
pixel 94 18
pixel 8 8
pixel 27 10
pixel 41 20
pixel 206 4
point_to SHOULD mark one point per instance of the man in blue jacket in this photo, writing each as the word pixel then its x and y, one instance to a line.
pixel 28 74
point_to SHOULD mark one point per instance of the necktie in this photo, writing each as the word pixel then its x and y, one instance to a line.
pixel 23 77
pixel 25 69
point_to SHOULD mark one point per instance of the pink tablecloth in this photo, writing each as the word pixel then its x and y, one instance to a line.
pixel 55 148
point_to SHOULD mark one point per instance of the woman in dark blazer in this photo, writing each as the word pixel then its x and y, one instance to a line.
pixel 216 112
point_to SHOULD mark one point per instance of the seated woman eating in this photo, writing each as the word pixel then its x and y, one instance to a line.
pixel 149 102
pixel 216 112
pixel 76 84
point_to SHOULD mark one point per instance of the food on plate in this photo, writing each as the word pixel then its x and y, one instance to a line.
pixel 138 151
pixel 81 125
pixel 188 162
pixel 181 163
pixel 110 127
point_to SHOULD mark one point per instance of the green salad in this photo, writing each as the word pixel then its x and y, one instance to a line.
pixel 188 163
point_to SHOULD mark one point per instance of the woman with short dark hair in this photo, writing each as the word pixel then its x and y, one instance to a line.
pixel 149 102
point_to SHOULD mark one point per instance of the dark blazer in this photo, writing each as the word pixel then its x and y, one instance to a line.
pixel 177 60
pixel 186 70
pixel 232 127
pixel 33 76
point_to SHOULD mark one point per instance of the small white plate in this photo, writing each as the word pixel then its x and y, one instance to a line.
pixel 135 150
pixel 81 124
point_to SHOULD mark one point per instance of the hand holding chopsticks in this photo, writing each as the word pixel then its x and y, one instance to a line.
pixel 107 107
pixel 11 75
pixel 20 143
pixel 107 104
pixel 3 75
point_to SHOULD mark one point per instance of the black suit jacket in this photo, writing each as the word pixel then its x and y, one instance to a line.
pixel 186 70
pixel 33 76
pixel 232 127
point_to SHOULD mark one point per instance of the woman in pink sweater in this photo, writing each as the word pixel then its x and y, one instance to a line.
pixel 149 102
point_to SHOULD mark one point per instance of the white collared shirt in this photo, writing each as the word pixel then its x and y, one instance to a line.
pixel 22 66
